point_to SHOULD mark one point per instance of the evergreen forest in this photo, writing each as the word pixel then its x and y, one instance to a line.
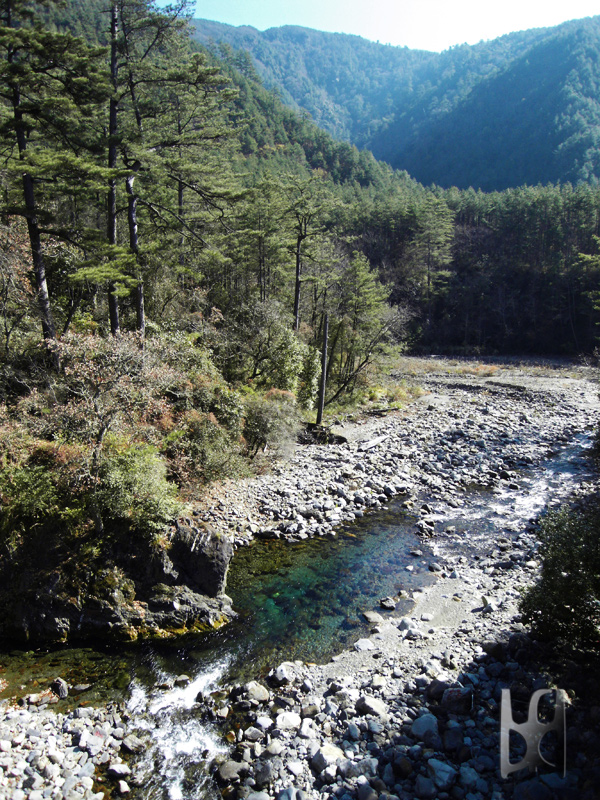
pixel 526 103
pixel 173 238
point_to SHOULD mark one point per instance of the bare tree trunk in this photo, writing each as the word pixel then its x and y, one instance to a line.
pixel 301 236
pixel 132 211
pixel 37 256
pixel 297 288
pixel 134 247
pixel 323 370
pixel 113 303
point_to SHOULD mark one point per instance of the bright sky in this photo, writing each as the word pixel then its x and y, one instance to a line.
pixel 419 24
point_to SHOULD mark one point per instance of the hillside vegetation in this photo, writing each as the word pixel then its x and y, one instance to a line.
pixel 526 103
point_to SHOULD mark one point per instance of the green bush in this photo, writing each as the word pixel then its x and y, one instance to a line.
pixel 42 488
pixel 133 487
pixel 200 449
pixel 32 498
pixel 308 388
pixel 52 491
pixel 565 604
pixel 271 423
pixel 287 361
pixel 228 408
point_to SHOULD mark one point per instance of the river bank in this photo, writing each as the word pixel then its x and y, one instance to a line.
pixel 352 726
pixel 473 427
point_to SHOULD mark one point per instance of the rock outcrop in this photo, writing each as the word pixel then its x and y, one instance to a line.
pixel 134 589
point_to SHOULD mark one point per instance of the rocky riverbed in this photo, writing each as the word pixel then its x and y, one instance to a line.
pixel 412 710
pixel 73 756
pixel 465 431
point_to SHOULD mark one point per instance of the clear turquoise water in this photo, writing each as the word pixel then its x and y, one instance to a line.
pixel 305 600
pixel 299 600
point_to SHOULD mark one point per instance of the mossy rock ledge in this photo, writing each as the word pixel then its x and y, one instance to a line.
pixel 120 590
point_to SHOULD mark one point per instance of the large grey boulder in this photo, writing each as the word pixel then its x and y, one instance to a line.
pixel 367 704
pixel 201 559
pixel 132 590
pixel 442 774
pixel 424 725
pixel 326 756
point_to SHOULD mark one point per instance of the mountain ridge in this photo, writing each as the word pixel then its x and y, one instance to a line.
pixel 417 109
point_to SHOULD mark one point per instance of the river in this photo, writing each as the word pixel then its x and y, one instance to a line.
pixel 305 601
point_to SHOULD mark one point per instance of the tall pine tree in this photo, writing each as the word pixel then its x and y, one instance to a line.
pixel 50 86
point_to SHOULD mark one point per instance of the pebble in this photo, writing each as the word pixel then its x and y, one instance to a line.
pixel 42 750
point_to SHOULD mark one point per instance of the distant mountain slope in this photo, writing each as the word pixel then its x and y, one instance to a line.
pixel 344 82
pixel 524 108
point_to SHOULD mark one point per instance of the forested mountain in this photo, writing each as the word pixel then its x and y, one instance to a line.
pixel 521 109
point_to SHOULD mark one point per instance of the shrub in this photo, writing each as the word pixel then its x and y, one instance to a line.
pixel 29 497
pixel 258 345
pixel 42 484
pixel 133 488
pixel 308 389
pixel 565 604
pixel 287 360
pixel 228 408
pixel 271 423
pixel 50 489
pixel 202 450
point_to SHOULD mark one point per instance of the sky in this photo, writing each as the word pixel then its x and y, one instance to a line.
pixel 418 24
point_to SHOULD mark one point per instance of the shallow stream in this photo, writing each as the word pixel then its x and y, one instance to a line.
pixel 295 601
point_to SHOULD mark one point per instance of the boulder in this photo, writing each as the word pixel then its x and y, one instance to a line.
pixel 366 704
pixel 132 744
pixel 308 729
pixel 532 789
pixel 436 689
pixel 327 755
pixel 468 777
pixel 137 590
pixel 425 788
pixel 458 700
pixel 372 617
pixel 442 774
pixel 363 644
pixel 230 771
pixel 256 691
pixel 263 774
pixel 424 726
pixel 283 674
pixel 288 720
pixel 253 734
pixel 60 688
pixel 201 559
pixel 291 793
pixel 119 770
pixel 408 624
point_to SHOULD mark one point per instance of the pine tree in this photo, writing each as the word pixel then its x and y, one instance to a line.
pixel 164 114
pixel 50 85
